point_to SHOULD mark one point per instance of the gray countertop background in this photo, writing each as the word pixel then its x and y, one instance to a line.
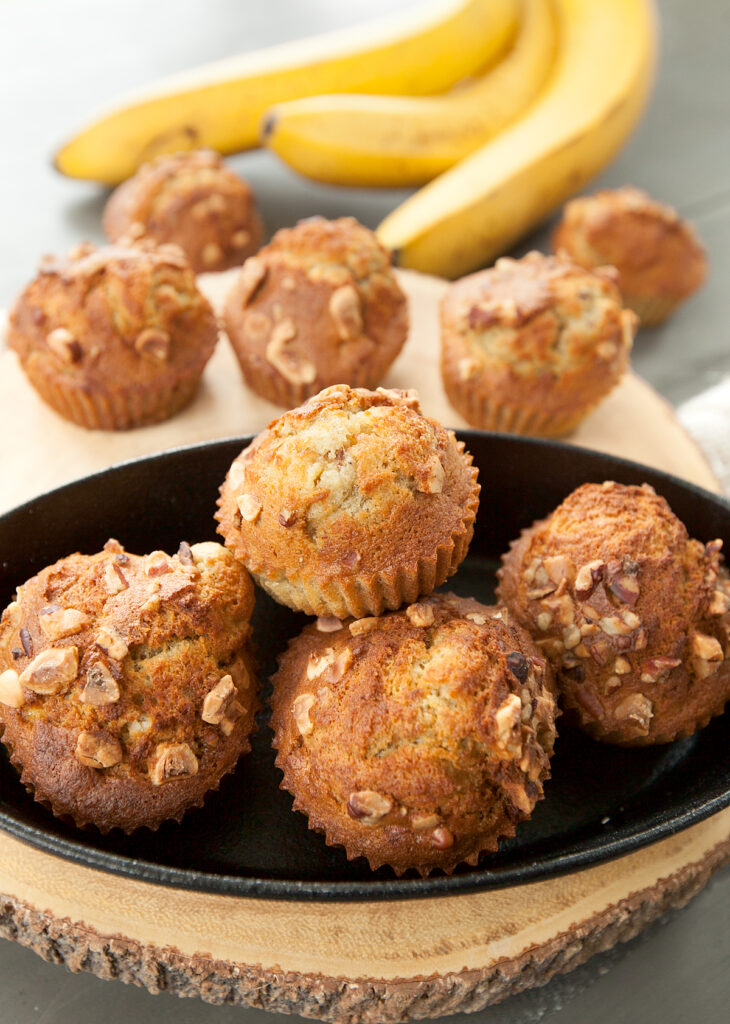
pixel 60 60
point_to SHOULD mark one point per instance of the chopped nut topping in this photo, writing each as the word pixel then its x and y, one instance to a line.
pixel 589 612
pixel 719 604
pixel 654 668
pixel 154 344
pixel 11 692
pixel 101 686
pixel 300 709
pixel 507 718
pixel 63 344
pixel 434 481
pixel 185 554
pixel 251 278
pixel 318 664
pixel 346 313
pixel 98 750
pixel 368 807
pixel 544 621
pixel 420 615
pixel 211 254
pixel 52 670
pixel 233 713
pixel 589 629
pixel 563 609
pixel 612 684
pixel 351 559
pixel 215 705
pixel 476 618
pixel 467 368
pixel 56 625
pixel 539 592
pixel 518 665
pixel 249 507
pixel 157 564
pixel 587 577
pixel 293 368
pixel 552 647
pixel 442 838
pixel 287 517
pixel 637 709
pixel 335 665
pixel 112 643
pixel 360 626
pixel 571 637
pixel 558 568
pixel 172 761
pixel 626 588
pixel 612 625
pixel 621 666
pixel 27 641
pixel 328 624
pixel 630 618
pixel 240 238
pixel 420 822
pixel 114 579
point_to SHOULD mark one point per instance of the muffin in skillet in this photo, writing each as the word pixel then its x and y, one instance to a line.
pixel 658 256
pixel 633 614
pixel 418 739
pixel 193 200
pixel 126 686
pixel 115 337
pixel 353 503
pixel 319 305
pixel 530 346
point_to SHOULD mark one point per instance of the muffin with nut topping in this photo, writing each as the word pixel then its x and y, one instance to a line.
pixel 353 503
pixel 659 258
pixel 192 200
pixel 418 739
pixel 633 614
pixel 319 305
pixel 115 337
pixel 126 686
pixel 530 346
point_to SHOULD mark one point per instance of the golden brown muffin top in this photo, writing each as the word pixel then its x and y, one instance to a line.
pixel 351 482
pixel 141 654
pixel 535 317
pixel 417 738
pixel 132 313
pixel 190 198
pixel 654 250
pixel 622 601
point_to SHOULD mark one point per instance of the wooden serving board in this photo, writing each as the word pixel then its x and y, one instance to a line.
pixel 366 961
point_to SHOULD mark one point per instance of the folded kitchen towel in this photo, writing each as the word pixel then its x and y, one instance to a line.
pixel 707 418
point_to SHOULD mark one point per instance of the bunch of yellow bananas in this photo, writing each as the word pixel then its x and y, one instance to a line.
pixel 541 95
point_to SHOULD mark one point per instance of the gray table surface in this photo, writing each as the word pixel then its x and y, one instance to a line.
pixel 62 59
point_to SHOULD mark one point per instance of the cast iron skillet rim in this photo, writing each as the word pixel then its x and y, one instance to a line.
pixel 546 867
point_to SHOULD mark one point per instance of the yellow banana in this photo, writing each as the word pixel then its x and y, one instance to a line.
pixel 396 141
pixel 596 93
pixel 220 104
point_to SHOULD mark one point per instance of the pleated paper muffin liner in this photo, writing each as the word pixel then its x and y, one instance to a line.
pixel 651 309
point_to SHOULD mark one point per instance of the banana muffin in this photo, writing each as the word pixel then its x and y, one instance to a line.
pixel 418 739
pixel 126 686
pixel 658 256
pixel 530 346
pixel 319 305
pixel 351 504
pixel 115 337
pixel 193 200
pixel 633 614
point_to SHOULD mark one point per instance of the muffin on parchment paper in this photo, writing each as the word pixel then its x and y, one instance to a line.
pixel 418 739
pixel 353 503
pixel 115 337
pixel 658 256
pixel 530 346
pixel 319 305
pixel 193 200
pixel 633 614
pixel 126 686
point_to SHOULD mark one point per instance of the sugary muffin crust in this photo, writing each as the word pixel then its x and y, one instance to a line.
pixel 193 200
pixel 633 614
pixel 532 345
pixel 114 337
pixel 126 687
pixel 658 256
pixel 417 739
pixel 353 503
pixel 319 305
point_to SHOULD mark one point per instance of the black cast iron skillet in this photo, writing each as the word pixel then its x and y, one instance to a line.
pixel 601 802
